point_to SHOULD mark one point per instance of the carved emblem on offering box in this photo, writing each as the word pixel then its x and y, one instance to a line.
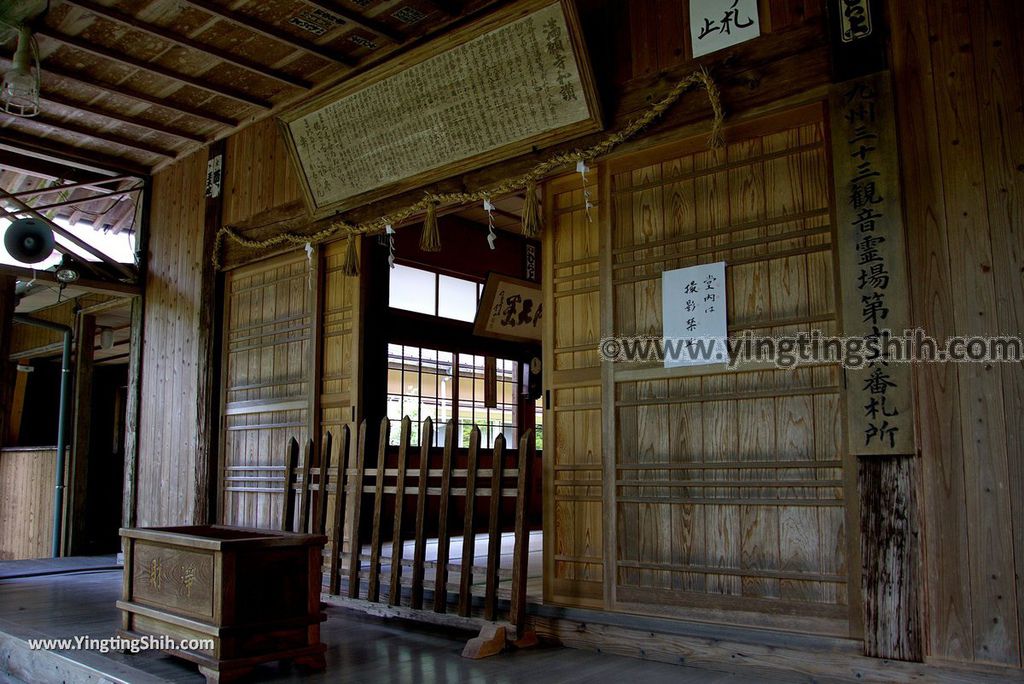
pixel 515 80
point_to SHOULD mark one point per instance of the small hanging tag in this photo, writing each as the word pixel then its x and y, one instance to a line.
pixel 491 235
pixel 390 232
pixel 582 169
pixel 309 263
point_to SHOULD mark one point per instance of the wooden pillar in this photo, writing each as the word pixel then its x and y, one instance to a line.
pixel 890 550
pixel 131 420
pixel 208 345
pixel 78 470
pixel 878 398
pixel 8 302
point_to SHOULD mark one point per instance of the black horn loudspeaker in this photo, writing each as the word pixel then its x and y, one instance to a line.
pixel 29 240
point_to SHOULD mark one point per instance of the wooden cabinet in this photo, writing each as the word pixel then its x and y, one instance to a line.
pixel 252 595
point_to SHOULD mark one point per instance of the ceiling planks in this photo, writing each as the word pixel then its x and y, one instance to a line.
pixel 185 41
pixel 136 84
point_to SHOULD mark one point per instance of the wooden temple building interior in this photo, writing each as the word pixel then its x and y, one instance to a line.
pixel 313 317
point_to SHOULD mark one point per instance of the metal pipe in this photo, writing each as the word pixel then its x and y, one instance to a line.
pixel 62 419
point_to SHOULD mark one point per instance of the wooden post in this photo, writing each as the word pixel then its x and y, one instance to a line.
pixel 338 512
pixel 16 407
pixel 78 480
pixel 356 492
pixel 8 302
pixel 494 531
pixel 420 550
pixel 441 573
pixel 373 585
pixel 878 399
pixel 521 548
pixel 208 341
pixel 291 462
pixel 468 540
pixel 129 510
pixel 304 490
pixel 395 584
pixel 890 548
pixel 320 518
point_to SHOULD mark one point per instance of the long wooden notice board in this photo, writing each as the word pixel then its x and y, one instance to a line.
pixel 514 80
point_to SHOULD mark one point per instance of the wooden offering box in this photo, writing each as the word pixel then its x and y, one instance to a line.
pixel 254 593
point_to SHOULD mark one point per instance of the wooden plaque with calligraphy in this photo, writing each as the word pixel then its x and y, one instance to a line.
pixel 510 309
pixel 872 262
pixel 514 80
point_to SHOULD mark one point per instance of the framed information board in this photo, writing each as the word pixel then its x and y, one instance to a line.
pixel 514 80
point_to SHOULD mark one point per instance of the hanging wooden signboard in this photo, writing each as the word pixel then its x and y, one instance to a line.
pixel 872 262
pixel 514 80
pixel 510 309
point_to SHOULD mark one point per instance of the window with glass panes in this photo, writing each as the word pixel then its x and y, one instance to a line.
pixel 442 385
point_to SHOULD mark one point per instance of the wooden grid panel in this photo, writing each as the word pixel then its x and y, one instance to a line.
pixel 267 339
pixel 573 470
pixel 730 488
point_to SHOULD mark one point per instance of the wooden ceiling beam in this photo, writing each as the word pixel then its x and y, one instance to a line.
pixel 33 143
pixel 85 200
pixel 85 46
pixel 74 128
pixel 80 79
pixel 356 19
pixel 270 31
pixel 188 42
pixel 45 168
pixel 86 185
pixel 47 96
pixel 101 286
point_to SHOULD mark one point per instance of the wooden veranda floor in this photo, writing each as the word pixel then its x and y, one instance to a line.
pixel 360 648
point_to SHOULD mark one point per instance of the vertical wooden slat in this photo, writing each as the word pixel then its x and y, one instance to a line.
pixel 468 540
pixel 356 492
pixel 338 512
pixel 373 585
pixel 320 520
pixel 521 546
pixel 305 493
pixel 395 588
pixel 420 550
pixel 441 573
pixel 291 460
pixel 494 530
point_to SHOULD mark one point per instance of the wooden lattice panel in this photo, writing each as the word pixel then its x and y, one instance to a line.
pixel 573 517
pixel 267 369
pixel 731 491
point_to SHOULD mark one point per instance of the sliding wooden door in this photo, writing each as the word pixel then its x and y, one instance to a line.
pixel 727 492
pixel 267 369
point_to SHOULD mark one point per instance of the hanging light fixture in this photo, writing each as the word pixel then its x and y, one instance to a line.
pixel 20 93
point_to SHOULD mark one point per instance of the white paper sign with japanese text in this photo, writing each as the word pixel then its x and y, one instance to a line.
pixel 717 24
pixel 693 315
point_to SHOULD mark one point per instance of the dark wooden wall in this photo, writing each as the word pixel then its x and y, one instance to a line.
pixel 959 80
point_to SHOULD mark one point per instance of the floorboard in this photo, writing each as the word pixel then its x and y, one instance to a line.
pixel 360 648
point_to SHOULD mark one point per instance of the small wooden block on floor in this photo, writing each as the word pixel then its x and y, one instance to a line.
pixel 490 641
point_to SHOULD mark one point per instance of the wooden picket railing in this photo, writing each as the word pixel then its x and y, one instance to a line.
pixel 349 583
